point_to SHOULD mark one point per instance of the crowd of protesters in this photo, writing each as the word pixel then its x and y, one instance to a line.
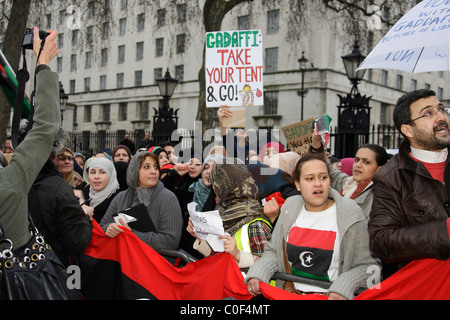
pixel 305 213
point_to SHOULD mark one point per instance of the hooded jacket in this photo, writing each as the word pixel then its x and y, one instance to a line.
pixel 355 257
pixel 162 206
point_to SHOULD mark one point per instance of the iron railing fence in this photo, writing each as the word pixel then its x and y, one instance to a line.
pixel 92 142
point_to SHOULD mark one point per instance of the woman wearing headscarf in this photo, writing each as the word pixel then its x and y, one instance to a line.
pixel 102 186
pixel 241 214
pixel 144 187
pixel 164 162
pixel 269 150
pixel 121 153
pixel 65 165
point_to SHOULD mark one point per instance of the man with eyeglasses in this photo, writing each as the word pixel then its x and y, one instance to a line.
pixel 411 204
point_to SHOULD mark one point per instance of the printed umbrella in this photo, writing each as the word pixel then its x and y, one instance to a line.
pixel 418 42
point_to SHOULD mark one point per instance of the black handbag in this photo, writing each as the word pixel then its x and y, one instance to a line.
pixel 33 272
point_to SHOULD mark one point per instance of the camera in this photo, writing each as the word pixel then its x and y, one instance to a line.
pixel 27 42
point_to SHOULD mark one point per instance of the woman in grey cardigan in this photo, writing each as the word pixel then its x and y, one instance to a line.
pixel 319 224
pixel 162 205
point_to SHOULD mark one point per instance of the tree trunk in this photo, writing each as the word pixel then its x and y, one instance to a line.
pixel 17 24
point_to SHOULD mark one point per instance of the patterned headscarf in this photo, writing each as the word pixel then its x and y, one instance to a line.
pixel 238 193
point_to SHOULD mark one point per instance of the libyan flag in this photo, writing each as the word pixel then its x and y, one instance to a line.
pixel 310 251
pixel 126 268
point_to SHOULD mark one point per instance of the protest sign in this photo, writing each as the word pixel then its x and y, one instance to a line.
pixel 237 120
pixel 207 226
pixel 234 68
pixel 299 135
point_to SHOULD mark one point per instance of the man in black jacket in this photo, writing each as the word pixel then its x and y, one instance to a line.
pixel 56 211
pixel 410 216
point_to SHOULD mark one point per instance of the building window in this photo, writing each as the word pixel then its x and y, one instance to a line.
pixel 141 22
pixel 60 40
pixel 62 16
pixel 72 86
pixel 74 38
pixel 88 113
pixel 123 4
pixel 243 22
pixel 159 47
pixel 413 85
pixel 122 26
pixel 73 62
pixel 399 82
pixel 104 61
pixel 87 84
pixel 139 51
pixel 123 111
pixel 271 102
pixel 106 111
pixel 384 77
pixel 181 11
pixel 271 60
pixel 103 82
pixel 138 78
pixel 384 111
pixel 90 34
pixel 157 73
pixel 120 77
pixel 105 31
pixel 160 17
pixel 91 9
pixel 143 110
pixel 179 72
pixel 440 94
pixel 59 66
pixel 49 21
pixel 88 62
pixel 181 40
pixel 273 21
pixel 427 86
pixel 121 54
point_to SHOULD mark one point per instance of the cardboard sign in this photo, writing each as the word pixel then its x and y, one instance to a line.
pixel 234 68
pixel 299 136
pixel 237 120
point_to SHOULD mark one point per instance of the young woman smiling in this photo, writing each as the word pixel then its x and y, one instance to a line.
pixel 103 186
pixel 162 206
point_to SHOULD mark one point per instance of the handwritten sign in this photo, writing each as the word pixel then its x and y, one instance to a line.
pixel 299 135
pixel 234 68
pixel 207 226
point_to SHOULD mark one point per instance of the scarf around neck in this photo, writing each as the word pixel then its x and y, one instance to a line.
pixel 352 189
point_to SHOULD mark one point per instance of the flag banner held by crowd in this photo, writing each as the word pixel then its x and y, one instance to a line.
pixel 322 128
pixel 9 84
pixel 299 135
pixel 234 68
pixel 126 268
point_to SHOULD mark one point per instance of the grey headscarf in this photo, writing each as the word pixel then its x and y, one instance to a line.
pixel 142 195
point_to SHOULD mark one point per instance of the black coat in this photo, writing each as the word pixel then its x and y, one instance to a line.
pixel 58 215
pixel 101 208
